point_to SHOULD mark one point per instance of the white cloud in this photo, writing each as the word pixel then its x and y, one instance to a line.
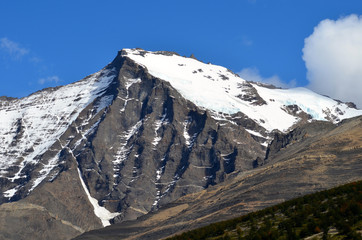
pixel 51 79
pixel 252 74
pixel 333 58
pixel 12 48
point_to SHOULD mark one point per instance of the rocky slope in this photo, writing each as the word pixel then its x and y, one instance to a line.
pixel 144 131
pixel 318 156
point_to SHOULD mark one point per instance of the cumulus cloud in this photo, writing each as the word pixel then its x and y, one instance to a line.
pixel 51 79
pixel 252 74
pixel 12 48
pixel 333 58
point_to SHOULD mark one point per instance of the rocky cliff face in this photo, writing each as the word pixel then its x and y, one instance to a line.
pixel 318 156
pixel 144 131
pixel 154 146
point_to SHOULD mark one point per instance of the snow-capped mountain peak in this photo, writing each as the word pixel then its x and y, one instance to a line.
pixel 219 90
pixel 142 132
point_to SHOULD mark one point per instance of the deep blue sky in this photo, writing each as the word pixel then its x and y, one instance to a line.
pixel 59 42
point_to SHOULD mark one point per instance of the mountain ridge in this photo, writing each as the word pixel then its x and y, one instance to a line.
pixel 127 142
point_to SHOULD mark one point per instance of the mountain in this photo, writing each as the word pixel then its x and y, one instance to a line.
pixel 318 156
pixel 147 130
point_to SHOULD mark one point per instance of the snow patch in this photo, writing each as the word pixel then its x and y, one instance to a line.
pixel 129 83
pixel 189 140
pixel 101 212
pixel 160 195
pixel 123 150
pixel 257 134
pixel 11 192
pixel 186 134
pixel 158 124
pixel 52 163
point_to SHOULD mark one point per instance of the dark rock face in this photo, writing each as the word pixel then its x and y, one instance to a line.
pixel 147 147
pixel 316 157
pixel 351 105
pixel 301 135
pixel 165 147
pixel 251 95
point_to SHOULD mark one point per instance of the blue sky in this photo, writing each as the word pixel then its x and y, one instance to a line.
pixel 50 43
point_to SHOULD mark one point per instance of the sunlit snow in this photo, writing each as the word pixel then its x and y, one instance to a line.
pixel 31 125
pixel 123 151
pixel 217 89
pixel 101 212
pixel 158 124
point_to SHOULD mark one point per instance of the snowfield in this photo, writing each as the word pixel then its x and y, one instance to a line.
pixel 217 89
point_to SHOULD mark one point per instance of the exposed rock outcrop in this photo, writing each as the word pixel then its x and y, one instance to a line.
pixel 330 157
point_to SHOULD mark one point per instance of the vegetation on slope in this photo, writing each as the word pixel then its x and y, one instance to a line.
pixel 330 214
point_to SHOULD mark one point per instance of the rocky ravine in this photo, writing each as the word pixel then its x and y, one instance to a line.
pixel 123 142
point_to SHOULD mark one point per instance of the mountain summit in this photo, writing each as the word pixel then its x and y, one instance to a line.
pixel 147 129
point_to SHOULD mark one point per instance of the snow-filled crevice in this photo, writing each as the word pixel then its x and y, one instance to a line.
pixel 128 84
pixel 85 132
pixel 101 212
pixel 189 140
pixel 159 173
pixel 193 126
pixel 11 192
pixel 180 170
pixel 194 123
pixel 52 163
pixel 257 134
pixel 170 186
pixel 158 124
pixel 124 149
pixel 159 185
